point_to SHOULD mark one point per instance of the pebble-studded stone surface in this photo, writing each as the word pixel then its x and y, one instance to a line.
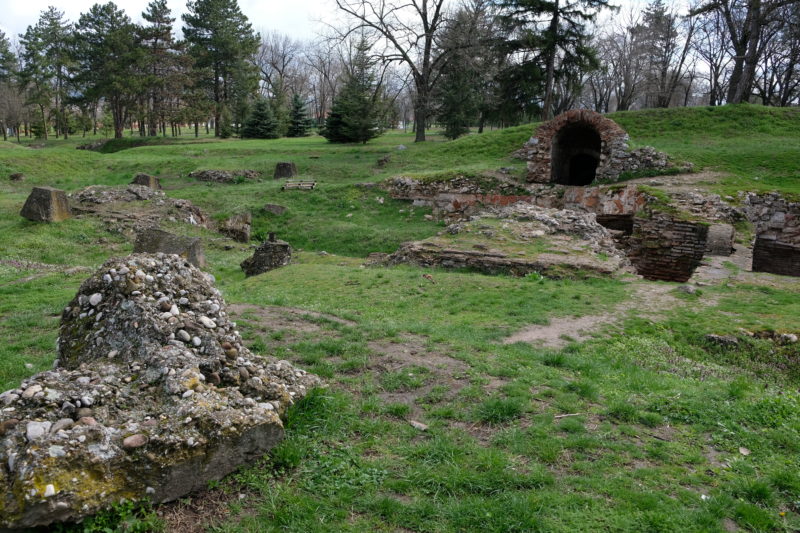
pixel 153 395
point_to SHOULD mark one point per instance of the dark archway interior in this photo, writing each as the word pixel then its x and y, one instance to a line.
pixel 575 154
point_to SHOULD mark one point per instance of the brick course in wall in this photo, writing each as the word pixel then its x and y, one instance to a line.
pixel 776 257
pixel 663 248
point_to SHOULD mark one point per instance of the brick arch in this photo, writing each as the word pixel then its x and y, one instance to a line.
pixel 576 147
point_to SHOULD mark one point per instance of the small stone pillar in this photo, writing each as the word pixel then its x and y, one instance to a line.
pixel 154 240
pixel 285 170
pixel 271 254
pixel 46 204
pixel 238 227
pixel 147 180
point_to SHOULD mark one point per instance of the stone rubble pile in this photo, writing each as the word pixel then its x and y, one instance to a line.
pixel 155 207
pixel 551 221
pixel 153 395
pixel 224 176
pixel 585 246
pixel 104 194
pixel 708 206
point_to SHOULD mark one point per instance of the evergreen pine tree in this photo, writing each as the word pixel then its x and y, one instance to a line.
pixel 221 41
pixel 298 123
pixel 261 123
pixel 354 113
pixel 225 126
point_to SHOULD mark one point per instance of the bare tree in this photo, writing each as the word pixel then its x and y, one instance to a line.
pixel 622 51
pixel 778 75
pixel 712 45
pixel 667 43
pixel 746 21
pixel 409 30
pixel 325 72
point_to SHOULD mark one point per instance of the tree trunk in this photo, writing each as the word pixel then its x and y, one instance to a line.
pixel 547 106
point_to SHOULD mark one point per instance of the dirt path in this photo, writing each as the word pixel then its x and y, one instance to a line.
pixel 648 299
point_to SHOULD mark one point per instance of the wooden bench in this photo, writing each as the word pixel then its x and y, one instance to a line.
pixel 306 185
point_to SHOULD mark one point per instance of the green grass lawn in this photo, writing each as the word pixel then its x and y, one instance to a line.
pixel 648 427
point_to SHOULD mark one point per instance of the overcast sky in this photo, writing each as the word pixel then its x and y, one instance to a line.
pixel 303 19
pixel 294 17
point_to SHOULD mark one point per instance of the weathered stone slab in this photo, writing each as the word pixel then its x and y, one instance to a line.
pixel 285 170
pixel 154 240
pixel 271 254
pixel 147 180
pixel 275 209
pixel 154 395
pixel 237 227
pixel 46 204
pixel 776 257
pixel 720 240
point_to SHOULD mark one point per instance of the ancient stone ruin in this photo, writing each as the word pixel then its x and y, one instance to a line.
pixel 237 227
pixel 518 240
pixel 652 239
pixel 581 146
pixel 147 180
pixel 154 240
pixel 285 170
pixel 224 176
pixel 271 254
pixel 130 209
pixel 664 247
pixel 777 224
pixel 153 395
pixel 46 204
pixel 275 209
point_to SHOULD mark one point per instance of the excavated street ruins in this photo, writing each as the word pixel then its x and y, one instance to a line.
pixel 154 393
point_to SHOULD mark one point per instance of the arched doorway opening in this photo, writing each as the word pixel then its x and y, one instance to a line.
pixel 575 154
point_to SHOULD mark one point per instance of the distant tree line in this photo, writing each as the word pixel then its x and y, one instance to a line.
pixel 387 63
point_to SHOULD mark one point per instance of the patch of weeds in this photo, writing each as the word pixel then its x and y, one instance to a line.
pixel 623 411
pixel 756 491
pixel 499 410
pixel 127 517
pixel 437 394
pixel 584 389
pixel 651 420
pixel 572 424
pixel 397 410
pixel 406 379
pixel 554 359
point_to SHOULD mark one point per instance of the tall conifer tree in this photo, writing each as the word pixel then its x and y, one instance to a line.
pixel 222 43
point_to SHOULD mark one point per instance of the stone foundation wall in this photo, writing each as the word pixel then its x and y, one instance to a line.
pixel 774 217
pixel 663 248
pixel 461 198
pixel 776 257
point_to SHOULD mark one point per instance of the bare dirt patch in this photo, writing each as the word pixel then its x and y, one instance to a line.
pixel 201 511
pixel 42 269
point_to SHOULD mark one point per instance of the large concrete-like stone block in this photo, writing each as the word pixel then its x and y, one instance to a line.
pixel 154 395
pixel 154 240
pixel 147 180
pixel 720 240
pixel 237 227
pixel 285 170
pixel 46 204
pixel 271 254
pixel 775 257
